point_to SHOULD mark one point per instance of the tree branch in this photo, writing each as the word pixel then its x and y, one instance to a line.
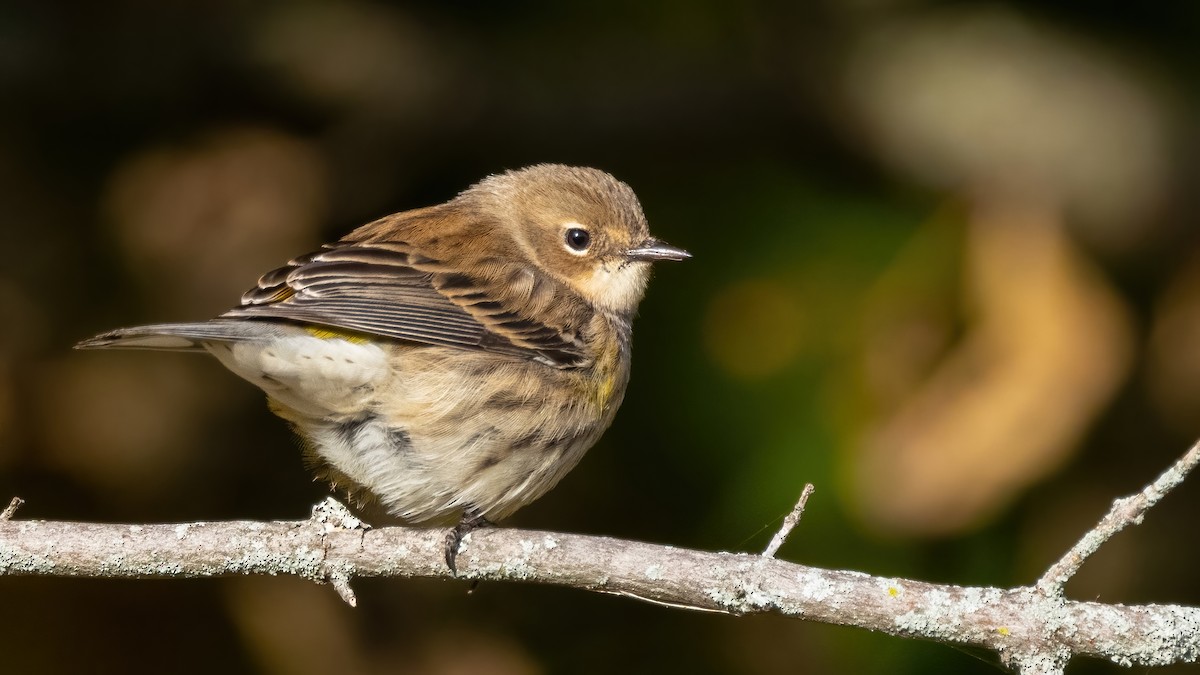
pixel 1032 631
pixel 1124 512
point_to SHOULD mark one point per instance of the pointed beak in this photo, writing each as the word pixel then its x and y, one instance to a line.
pixel 654 249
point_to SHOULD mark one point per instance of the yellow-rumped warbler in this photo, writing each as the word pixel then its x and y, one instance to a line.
pixel 450 361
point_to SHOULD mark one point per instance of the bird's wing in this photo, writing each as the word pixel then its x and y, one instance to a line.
pixel 390 290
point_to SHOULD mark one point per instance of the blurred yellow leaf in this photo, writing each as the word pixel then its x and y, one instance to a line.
pixel 1048 345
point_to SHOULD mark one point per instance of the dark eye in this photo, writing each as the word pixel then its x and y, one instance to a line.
pixel 578 239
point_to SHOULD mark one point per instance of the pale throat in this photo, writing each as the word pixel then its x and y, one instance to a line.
pixel 617 286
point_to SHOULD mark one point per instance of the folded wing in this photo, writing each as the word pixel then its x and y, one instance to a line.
pixel 389 290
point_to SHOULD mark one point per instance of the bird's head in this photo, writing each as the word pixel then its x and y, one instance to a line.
pixel 580 226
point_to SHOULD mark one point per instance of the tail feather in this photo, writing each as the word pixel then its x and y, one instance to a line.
pixel 181 336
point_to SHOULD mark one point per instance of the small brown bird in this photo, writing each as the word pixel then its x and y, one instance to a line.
pixel 454 361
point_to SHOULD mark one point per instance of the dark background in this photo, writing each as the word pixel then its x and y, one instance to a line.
pixel 946 268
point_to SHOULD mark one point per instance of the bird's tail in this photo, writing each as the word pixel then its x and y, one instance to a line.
pixel 181 336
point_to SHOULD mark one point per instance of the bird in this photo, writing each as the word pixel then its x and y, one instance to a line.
pixel 449 363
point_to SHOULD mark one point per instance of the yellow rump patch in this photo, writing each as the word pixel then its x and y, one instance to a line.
pixel 325 333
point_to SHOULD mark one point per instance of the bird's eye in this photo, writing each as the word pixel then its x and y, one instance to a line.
pixel 578 239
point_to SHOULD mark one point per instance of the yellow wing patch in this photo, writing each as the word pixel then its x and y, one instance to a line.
pixel 282 294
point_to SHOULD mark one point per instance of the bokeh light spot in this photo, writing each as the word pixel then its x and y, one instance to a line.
pixel 754 329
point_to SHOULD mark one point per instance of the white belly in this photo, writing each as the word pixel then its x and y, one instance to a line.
pixel 414 426
pixel 314 376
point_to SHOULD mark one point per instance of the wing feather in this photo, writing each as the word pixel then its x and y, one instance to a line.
pixel 387 289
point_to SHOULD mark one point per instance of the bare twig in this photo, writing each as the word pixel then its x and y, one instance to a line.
pixel 1124 512
pixel 341 584
pixel 1030 630
pixel 11 510
pixel 789 522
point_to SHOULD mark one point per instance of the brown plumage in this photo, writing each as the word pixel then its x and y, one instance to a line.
pixel 450 361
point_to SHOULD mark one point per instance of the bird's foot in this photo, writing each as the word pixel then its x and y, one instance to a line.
pixel 471 520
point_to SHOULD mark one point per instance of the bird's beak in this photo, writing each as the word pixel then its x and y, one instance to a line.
pixel 654 249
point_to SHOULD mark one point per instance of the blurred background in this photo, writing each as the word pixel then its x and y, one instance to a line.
pixel 947 268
